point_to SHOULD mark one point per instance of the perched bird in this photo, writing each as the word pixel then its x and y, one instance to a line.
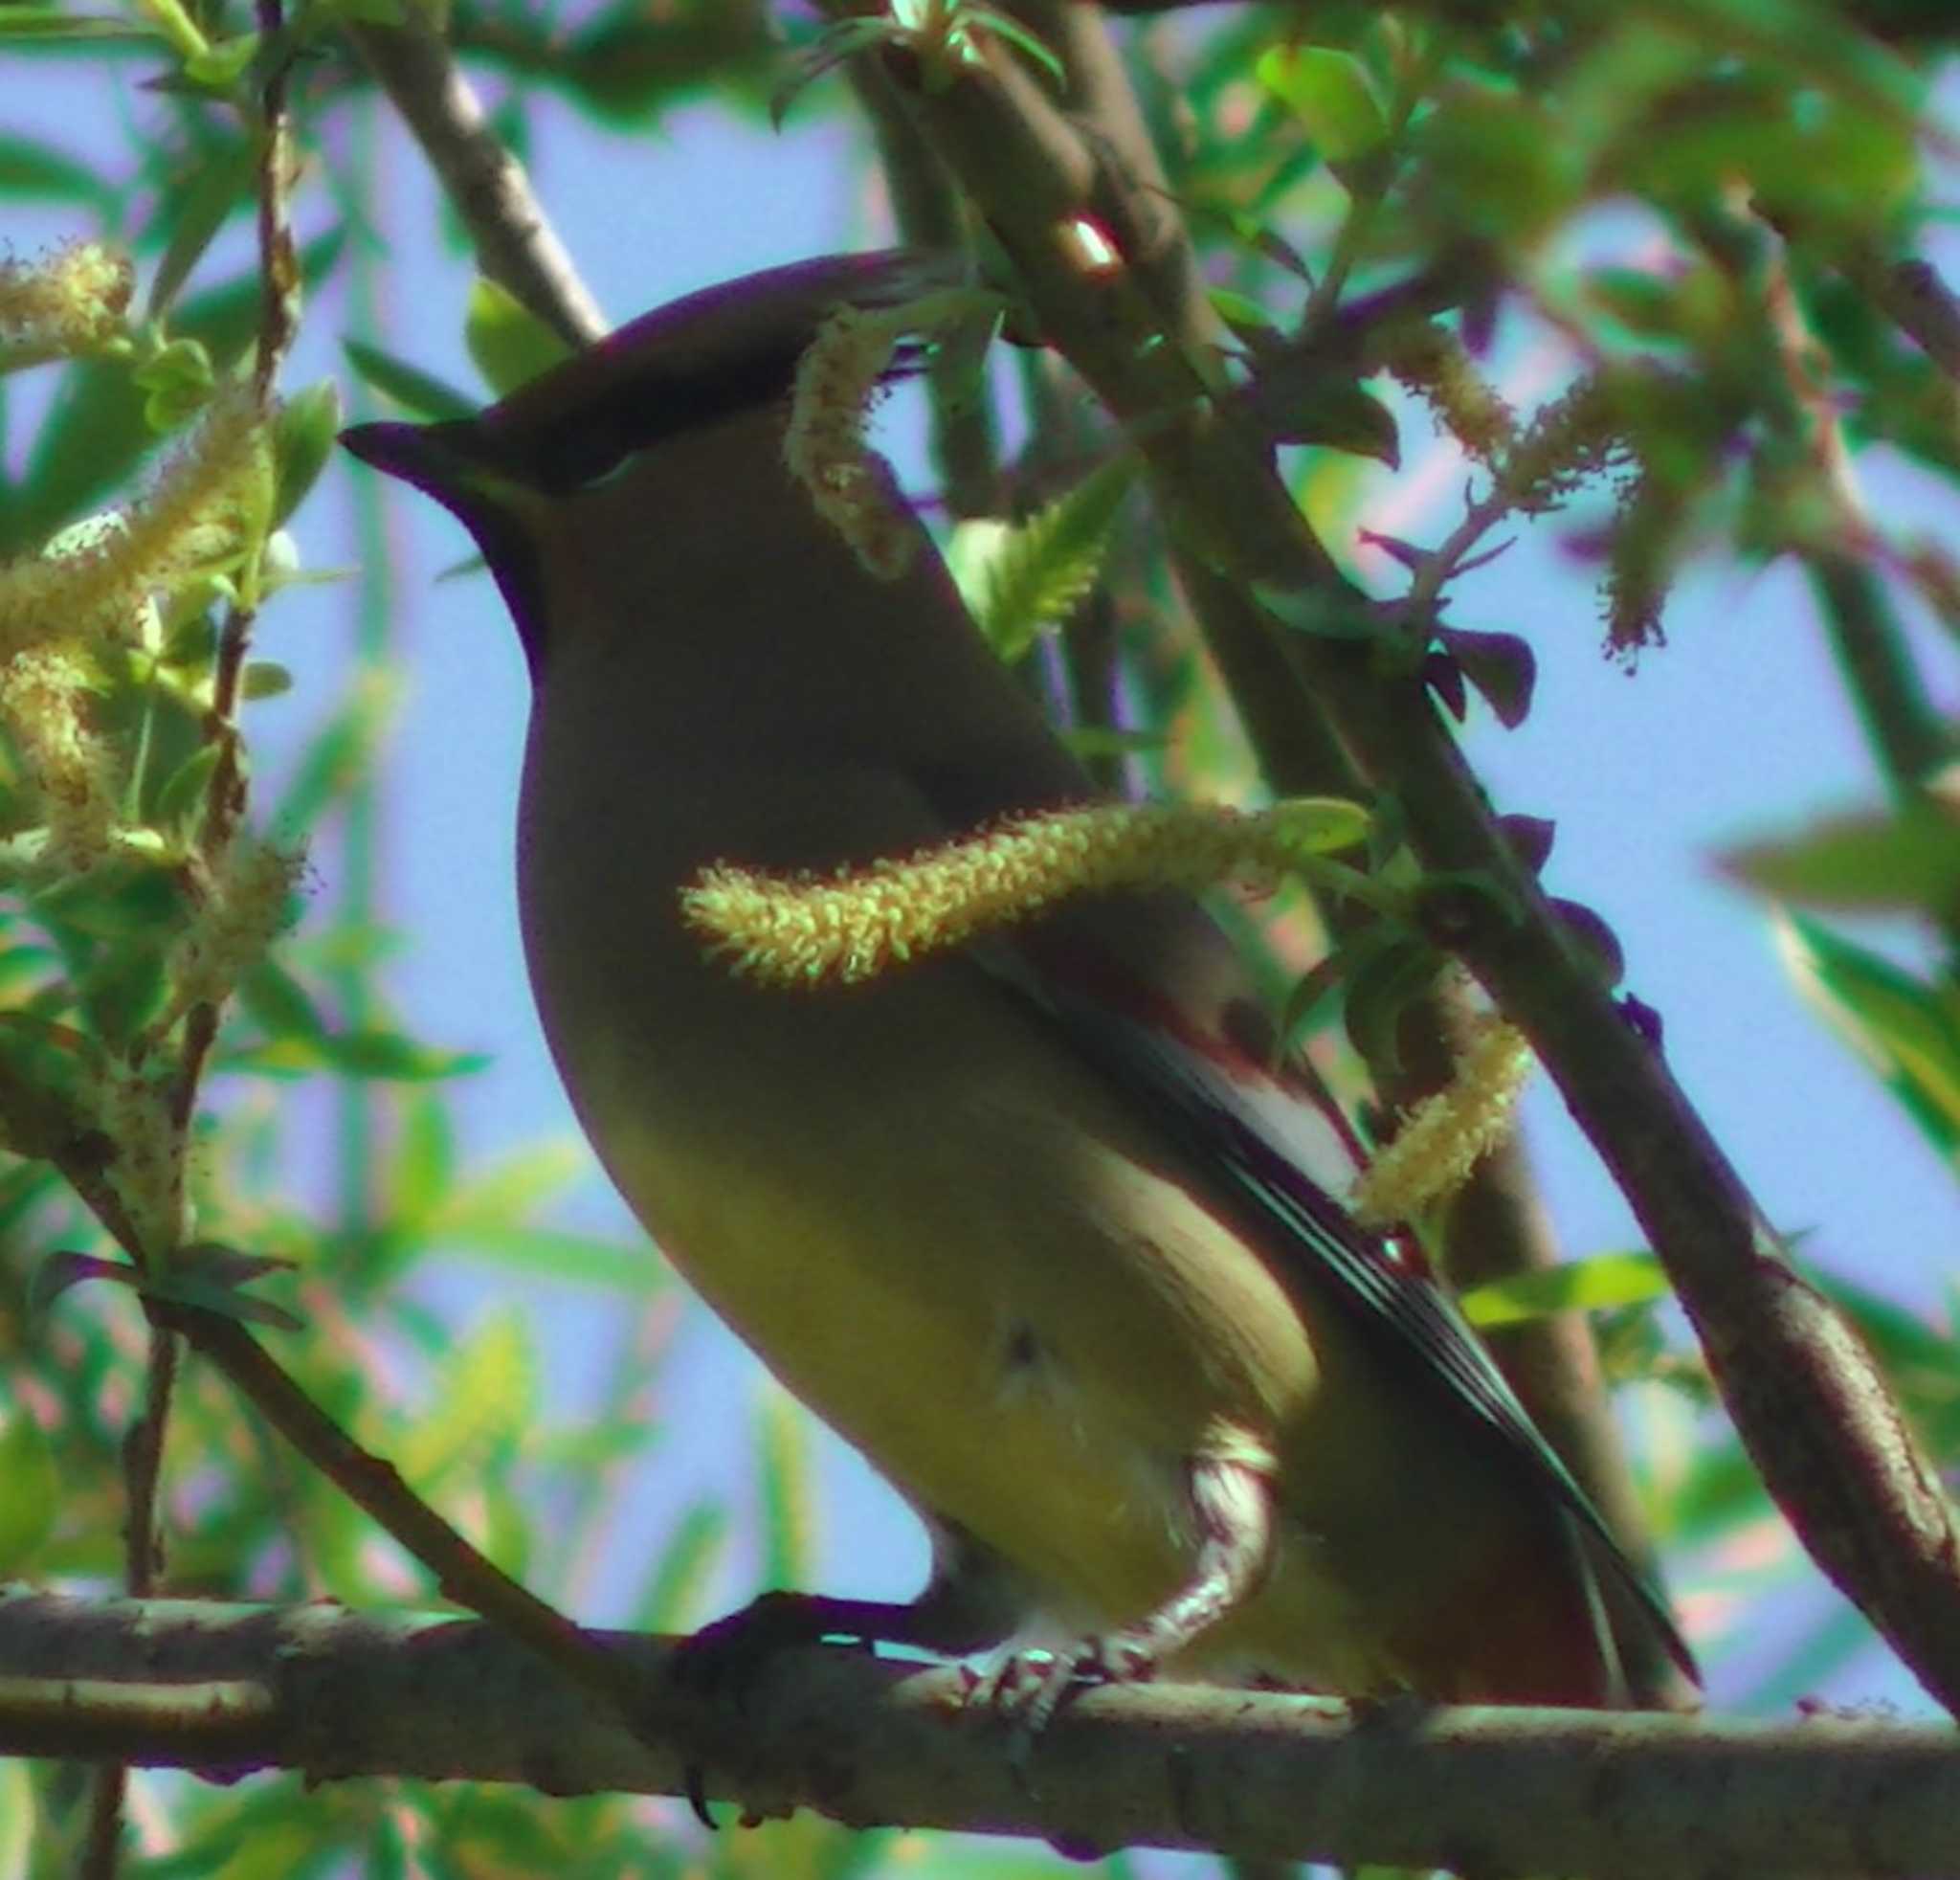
pixel 1031 1224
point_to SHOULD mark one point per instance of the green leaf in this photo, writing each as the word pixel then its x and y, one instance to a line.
pixel 423 1174
pixel 568 1259
pixel 225 184
pixel 278 1003
pixel 1577 1286
pixel 38 170
pixel 29 1491
pixel 783 1452
pixel 672 1599
pixel 21 1827
pixel 385 1056
pixel 264 679
pixel 484 1393
pixel 1907 1031
pixel 420 393
pixel 1022 581
pixel 59 23
pixel 1904 861
pixel 182 801
pixel 1321 825
pixel 510 345
pixel 221 64
pixel 1327 612
pixel 1332 412
pixel 1332 93
pixel 1501 665
pixel 337 758
pixel 302 441
pixel 1380 990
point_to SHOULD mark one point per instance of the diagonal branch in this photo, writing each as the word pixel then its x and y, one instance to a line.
pixel 516 244
pixel 1805 1395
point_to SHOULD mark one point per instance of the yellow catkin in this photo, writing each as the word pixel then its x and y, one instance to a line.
pixel 848 927
pixel 853 487
pixel 204 507
pixel 72 302
pixel 137 1109
pixel 1436 368
pixel 1446 1135
pixel 66 767
pixel 245 908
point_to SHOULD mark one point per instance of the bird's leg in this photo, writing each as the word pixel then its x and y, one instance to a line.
pixel 1231 1505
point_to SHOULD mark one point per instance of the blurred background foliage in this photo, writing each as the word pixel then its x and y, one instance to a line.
pixel 1764 177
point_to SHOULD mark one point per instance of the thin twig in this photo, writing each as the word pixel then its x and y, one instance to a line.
pixel 516 244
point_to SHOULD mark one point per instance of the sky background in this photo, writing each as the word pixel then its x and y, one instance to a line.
pixel 1735 730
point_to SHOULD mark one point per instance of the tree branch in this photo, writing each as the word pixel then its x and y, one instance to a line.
pixel 227 1689
pixel 1810 1405
pixel 516 244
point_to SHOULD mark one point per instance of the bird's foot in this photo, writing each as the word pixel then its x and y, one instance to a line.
pixel 1028 1687
pixel 723 1659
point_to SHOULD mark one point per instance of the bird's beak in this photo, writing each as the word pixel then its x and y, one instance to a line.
pixel 419 454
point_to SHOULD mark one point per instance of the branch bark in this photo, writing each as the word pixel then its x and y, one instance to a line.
pixel 516 244
pixel 227 1689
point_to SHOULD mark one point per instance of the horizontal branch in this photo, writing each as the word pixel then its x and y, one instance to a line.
pixel 228 1690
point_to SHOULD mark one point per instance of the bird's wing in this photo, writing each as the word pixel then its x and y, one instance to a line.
pixel 1268 1150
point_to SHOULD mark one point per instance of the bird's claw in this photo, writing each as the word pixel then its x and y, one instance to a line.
pixel 1027 1688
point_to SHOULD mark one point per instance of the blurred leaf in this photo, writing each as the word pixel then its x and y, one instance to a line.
pixel 64 1271
pixel 423 1171
pixel 1330 411
pixel 46 23
pixel 337 758
pixel 1906 1030
pixel 1380 990
pixel 19 1820
pixel 39 171
pixel 510 345
pixel 384 1055
pixel 1906 860
pixel 221 64
pixel 187 791
pixel 30 1494
pixel 215 1277
pixel 783 1455
pixel 1320 825
pixel 264 679
pixel 302 441
pixel 672 1599
pixel 483 1394
pixel 1332 93
pixel 280 1004
pixel 1090 741
pixel 1501 665
pixel 225 184
pixel 1575 1286
pixel 420 393
pixel 571 1258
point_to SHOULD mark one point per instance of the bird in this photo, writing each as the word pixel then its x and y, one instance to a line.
pixel 1040 1226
